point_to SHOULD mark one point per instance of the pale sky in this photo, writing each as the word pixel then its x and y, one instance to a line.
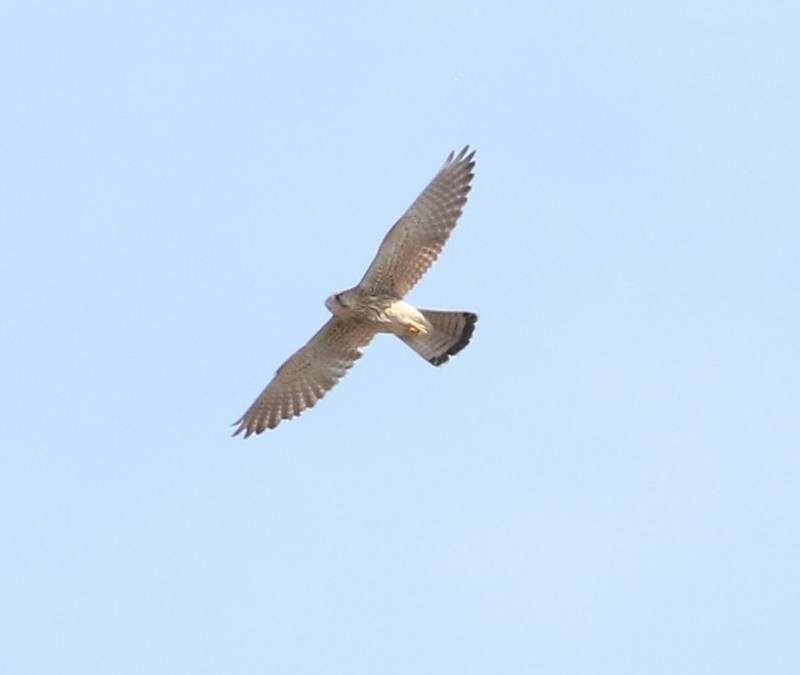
pixel 605 481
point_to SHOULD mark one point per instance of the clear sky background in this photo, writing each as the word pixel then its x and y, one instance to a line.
pixel 605 481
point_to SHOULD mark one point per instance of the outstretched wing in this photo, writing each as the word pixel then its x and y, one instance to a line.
pixel 307 375
pixel 416 240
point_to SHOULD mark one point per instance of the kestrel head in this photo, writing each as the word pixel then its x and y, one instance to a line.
pixel 340 303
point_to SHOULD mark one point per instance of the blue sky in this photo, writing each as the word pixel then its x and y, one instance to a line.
pixel 604 481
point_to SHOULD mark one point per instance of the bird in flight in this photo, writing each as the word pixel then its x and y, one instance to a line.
pixel 376 305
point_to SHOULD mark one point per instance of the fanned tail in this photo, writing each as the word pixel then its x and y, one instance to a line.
pixel 451 333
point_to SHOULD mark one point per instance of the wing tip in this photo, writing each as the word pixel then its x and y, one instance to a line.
pixel 241 425
pixel 251 425
pixel 464 156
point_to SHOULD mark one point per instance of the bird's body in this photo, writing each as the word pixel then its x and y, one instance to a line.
pixel 387 314
pixel 376 305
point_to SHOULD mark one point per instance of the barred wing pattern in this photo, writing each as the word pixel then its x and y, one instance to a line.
pixel 307 375
pixel 415 241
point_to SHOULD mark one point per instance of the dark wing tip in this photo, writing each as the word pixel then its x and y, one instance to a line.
pixel 246 425
pixel 240 425
pixel 464 156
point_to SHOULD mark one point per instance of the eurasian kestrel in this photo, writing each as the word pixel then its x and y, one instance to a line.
pixel 376 305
